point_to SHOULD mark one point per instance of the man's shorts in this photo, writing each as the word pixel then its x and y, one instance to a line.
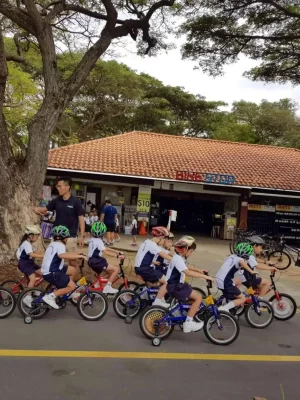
pixel 59 279
pixel 98 264
pixel 110 227
pixel 28 267
pixel 180 291
pixel 134 231
pixel 231 292
pixel 149 274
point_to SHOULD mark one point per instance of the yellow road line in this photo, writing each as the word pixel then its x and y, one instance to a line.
pixel 147 355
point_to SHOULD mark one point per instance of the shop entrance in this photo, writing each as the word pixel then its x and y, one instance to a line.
pixel 195 212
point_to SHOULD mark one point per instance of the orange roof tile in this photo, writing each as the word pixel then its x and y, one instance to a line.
pixel 145 154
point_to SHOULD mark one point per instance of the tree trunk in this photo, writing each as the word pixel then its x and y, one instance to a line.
pixel 15 214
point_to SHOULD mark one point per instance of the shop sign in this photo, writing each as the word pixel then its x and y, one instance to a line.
pixel 223 179
pixel 261 207
pixel 144 199
pixel 287 208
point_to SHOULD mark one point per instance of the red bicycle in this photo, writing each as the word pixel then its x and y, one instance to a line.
pixel 100 282
pixel 18 286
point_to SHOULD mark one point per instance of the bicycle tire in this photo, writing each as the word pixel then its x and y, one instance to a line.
pixel 249 309
pixel 132 285
pixel 211 319
pixel 6 283
pixel 83 302
pixel 11 299
pixel 146 322
pixel 284 253
pixel 276 311
pixel 45 309
pixel 122 304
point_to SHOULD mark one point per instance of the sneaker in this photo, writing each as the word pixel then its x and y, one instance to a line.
pixel 110 290
pixel 161 303
pixel 192 326
pixel 27 300
pixel 223 308
pixel 50 300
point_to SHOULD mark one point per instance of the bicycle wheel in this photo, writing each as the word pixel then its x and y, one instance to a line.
pixel 285 308
pixel 38 309
pixel 8 302
pixel 261 318
pixel 281 259
pixel 92 306
pixel 127 303
pixel 131 285
pixel 13 286
pixel 149 317
pixel 223 331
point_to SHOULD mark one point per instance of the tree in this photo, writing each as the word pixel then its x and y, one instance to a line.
pixel 267 31
pixel 46 26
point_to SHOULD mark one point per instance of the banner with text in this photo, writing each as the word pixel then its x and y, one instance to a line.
pixel 144 199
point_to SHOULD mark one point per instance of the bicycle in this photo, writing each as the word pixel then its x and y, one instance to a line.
pixel 89 299
pixel 157 323
pixel 255 308
pixel 128 303
pixel 18 286
pixel 284 255
pixel 8 302
pixel 284 305
pixel 100 282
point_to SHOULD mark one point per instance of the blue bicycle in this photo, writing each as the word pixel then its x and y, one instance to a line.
pixel 128 303
pixel 220 327
pixel 92 305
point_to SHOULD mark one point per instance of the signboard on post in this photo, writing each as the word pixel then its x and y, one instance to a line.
pixel 144 199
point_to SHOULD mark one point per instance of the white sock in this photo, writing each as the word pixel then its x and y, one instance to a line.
pixel 108 283
pixel 52 295
pixel 229 306
pixel 188 319
pixel 97 284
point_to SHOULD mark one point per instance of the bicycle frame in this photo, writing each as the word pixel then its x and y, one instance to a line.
pixel 24 281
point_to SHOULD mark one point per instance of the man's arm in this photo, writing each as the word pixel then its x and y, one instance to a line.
pixel 51 206
pixel 81 229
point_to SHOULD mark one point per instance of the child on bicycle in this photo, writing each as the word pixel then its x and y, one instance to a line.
pixel 97 262
pixel 26 255
pixel 53 269
pixel 144 258
pixel 158 262
pixel 181 290
pixel 256 282
pixel 225 276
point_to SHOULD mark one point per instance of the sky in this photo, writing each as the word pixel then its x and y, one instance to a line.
pixel 232 86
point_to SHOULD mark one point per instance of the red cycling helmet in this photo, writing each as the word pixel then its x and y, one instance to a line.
pixel 160 231
pixel 184 243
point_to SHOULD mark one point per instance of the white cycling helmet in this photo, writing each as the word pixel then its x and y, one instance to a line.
pixel 33 230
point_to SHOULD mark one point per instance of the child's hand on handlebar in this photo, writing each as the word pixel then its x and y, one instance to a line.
pixel 210 278
pixel 84 257
pixel 273 269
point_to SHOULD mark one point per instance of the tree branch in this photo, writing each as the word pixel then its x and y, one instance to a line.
pixel 34 13
pixel 89 13
pixel 17 16
pixel 16 59
pixel 281 8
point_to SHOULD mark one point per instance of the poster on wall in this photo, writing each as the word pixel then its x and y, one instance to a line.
pixel 144 199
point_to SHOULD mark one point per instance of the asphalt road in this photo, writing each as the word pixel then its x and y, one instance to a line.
pixel 63 357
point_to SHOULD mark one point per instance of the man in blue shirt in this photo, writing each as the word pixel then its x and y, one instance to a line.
pixel 109 217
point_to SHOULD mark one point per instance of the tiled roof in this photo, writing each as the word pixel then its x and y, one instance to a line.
pixel 145 154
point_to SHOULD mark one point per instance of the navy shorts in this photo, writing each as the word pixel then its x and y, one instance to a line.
pixel 98 264
pixel 161 268
pixel 134 231
pixel 180 291
pixel 149 274
pixel 231 292
pixel 110 227
pixel 58 279
pixel 252 281
pixel 28 267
